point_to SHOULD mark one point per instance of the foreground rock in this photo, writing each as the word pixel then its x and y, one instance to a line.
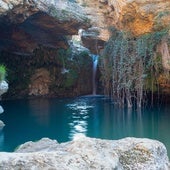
pixel 86 153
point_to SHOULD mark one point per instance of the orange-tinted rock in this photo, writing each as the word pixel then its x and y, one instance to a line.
pixel 137 16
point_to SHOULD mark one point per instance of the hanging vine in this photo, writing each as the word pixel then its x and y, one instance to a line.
pixel 126 64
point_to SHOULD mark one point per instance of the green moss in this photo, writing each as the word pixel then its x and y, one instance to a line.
pixel 70 79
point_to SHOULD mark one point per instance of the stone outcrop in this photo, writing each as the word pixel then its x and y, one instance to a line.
pixel 3 89
pixel 33 34
pixel 87 153
pixel 137 16
pixel 40 82
pixel 25 24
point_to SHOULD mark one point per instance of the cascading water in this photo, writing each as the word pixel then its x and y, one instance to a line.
pixel 95 62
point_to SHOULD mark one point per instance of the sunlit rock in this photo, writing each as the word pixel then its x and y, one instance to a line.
pixel 88 153
pixel 43 145
pixel 137 16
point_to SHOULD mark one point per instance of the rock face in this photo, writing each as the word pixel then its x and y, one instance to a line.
pixel 86 153
pixel 137 16
pixel 49 72
pixel 40 81
pixel 25 25
pixel 35 40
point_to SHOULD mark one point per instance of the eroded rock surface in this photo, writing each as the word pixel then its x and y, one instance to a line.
pixel 26 24
pixel 137 16
pixel 88 153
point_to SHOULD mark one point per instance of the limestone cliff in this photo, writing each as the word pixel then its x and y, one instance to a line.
pixel 136 16
pixel 137 19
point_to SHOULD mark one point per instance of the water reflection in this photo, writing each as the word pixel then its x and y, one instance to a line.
pixel 40 109
pixel 79 113
pixel 63 119
pixel 119 122
pixel 1 139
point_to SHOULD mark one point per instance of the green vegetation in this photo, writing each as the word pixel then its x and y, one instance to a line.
pixel 128 63
pixel 2 72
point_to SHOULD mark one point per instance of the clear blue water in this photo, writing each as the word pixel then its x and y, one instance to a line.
pixel 63 119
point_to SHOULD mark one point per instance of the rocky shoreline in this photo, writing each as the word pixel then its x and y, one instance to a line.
pixel 88 153
pixel 3 89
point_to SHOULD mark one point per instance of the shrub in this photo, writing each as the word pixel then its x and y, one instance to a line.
pixel 2 72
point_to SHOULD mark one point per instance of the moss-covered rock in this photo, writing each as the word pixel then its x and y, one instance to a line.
pixel 48 72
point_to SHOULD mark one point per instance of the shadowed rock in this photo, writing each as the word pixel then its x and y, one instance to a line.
pixel 25 25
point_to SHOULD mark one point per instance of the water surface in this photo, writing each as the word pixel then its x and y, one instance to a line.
pixel 62 119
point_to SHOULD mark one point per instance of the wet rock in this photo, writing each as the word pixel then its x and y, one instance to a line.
pixel 1 124
pixel 88 153
pixel 1 110
pixel 3 87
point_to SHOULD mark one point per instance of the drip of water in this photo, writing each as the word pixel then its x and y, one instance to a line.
pixel 95 62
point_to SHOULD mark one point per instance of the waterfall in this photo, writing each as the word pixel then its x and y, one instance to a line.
pixel 95 62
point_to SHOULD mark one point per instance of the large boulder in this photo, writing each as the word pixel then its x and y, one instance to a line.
pixel 88 153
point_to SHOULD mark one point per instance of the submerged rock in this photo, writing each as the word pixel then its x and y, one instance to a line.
pixel 88 153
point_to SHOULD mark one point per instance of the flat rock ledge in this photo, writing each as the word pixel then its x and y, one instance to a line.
pixel 88 153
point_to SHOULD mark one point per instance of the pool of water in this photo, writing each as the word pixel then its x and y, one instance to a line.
pixel 64 119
